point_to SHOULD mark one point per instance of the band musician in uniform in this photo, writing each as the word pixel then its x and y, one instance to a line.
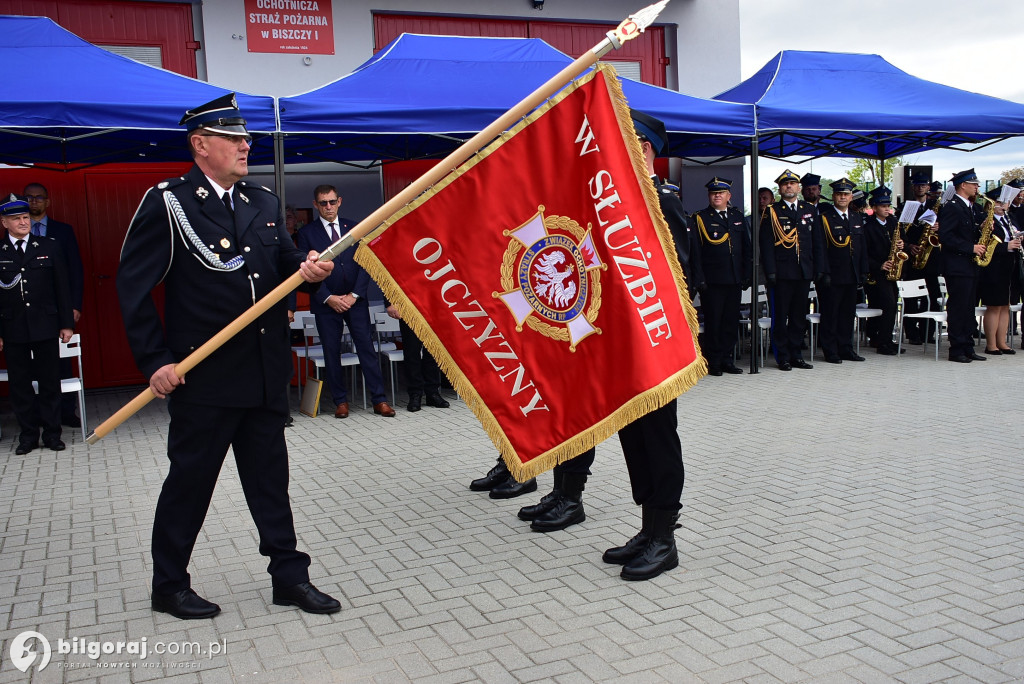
pixel 841 232
pixel 917 329
pixel 218 244
pixel 792 257
pixel 726 263
pixel 959 233
pixel 881 292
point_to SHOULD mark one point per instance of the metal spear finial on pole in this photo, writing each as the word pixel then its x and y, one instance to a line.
pixel 630 28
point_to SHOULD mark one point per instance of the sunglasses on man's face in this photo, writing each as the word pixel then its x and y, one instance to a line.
pixel 328 203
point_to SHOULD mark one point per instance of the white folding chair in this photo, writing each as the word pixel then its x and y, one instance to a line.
pixel 72 349
pixel 388 329
pixel 863 312
pixel 814 318
pixel 909 289
pixel 4 378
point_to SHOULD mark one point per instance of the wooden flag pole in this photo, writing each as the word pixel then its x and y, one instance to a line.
pixel 630 28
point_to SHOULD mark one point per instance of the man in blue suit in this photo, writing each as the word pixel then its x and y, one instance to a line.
pixel 340 300
pixel 38 198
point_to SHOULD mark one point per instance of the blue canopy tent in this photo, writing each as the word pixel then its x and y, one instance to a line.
pixel 68 102
pixel 815 104
pixel 422 96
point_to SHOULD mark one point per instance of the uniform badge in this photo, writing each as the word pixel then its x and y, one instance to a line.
pixel 716 234
pixel 552 269
pixel 161 185
pixel 202 193
pixel 225 243
pixel 243 198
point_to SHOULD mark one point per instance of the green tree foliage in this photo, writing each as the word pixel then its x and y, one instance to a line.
pixel 871 172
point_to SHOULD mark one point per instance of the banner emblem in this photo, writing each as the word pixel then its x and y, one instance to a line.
pixel 552 269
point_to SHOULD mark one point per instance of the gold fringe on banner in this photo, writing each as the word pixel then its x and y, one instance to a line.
pixel 650 400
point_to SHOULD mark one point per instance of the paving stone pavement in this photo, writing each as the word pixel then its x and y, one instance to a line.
pixel 853 523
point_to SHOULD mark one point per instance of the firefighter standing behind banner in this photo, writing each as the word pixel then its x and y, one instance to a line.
pixel 218 245
pixel 726 263
pixel 650 444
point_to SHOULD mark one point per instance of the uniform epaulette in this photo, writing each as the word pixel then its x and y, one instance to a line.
pixel 253 186
pixel 171 183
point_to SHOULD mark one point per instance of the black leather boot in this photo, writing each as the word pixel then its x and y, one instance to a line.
pixel 547 501
pixel 494 477
pixel 568 508
pixel 620 555
pixel 415 403
pixel 511 488
pixel 436 400
pixel 660 554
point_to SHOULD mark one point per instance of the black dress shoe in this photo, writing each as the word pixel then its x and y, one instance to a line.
pixel 1007 351
pixel 731 369
pixel 25 447
pixel 567 511
pixel 54 444
pixel 976 357
pixel 851 356
pixel 494 477
pixel 184 605
pixel 715 371
pixel 436 400
pixel 71 421
pixel 415 403
pixel 833 359
pixel 784 366
pixel 800 363
pixel 510 488
pixel 993 352
pixel 960 358
pixel 287 423
pixel 307 598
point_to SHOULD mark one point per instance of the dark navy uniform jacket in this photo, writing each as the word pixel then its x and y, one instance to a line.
pixel 845 265
pixel 959 231
pixel 729 262
pixel 35 298
pixel 687 245
pixel 791 264
pixel 205 290
pixel 879 239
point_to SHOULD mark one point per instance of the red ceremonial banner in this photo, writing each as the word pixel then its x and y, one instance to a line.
pixel 542 277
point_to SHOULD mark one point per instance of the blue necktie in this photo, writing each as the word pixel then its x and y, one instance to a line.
pixel 37 228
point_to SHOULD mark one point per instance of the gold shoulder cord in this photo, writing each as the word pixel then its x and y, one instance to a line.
pixel 831 238
pixel 707 238
pixel 788 240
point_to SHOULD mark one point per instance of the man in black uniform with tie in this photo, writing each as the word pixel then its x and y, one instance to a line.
pixel 35 312
pixel 792 258
pixel 841 233
pixel 726 263
pixel 218 244
pixel 959 232
pixel 917 329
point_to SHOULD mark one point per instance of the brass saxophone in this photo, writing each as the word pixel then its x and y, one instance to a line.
pixel 896 256
pixel 929 240
pixel 987 237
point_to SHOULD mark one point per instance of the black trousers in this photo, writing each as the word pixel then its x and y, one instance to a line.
pixel 962 294
pixel 920 328
pixel 39 361
pixel 789 307
pixel 882 295
pixel 721 307
pixel 198 440
pixel 838 313
pixel 654 459
pixel 579 464
pixel 421 372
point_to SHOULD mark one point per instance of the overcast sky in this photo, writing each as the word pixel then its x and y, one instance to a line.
pixel 975 45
